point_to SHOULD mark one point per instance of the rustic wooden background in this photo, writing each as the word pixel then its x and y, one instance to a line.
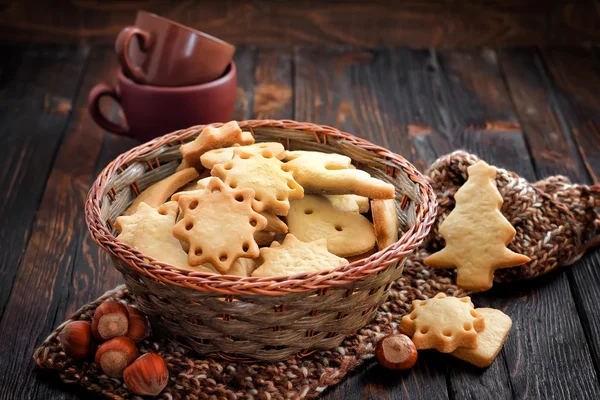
pixel 416 24
pixel 409 75
pixel 533 111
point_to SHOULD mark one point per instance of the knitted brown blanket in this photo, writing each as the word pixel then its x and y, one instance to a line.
pixel 555 220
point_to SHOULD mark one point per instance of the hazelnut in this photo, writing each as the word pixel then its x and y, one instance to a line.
pixel 76 339
pixel 396 352
pixel 115 355
pixel 148 375
pixel 139 328
pixel 110 320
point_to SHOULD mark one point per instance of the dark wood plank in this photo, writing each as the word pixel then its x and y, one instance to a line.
pixel 418 24
pixel 245 61
pixel 544 124
pixel 419 106
pixel 92 270
pixel 575 75
pixel 549 139
pixel 350 89
pixel 50 273
pixel 36 88
pixel 273 90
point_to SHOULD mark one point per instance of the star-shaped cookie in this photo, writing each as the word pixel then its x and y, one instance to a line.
pixel 477 233
pixel 263 173
pixel 214 138
pixel 219 225
pixel 443 323
pixel 295 257
pixel 221 156
pixel 149 231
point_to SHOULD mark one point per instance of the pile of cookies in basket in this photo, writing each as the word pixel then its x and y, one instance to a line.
pixel 242 208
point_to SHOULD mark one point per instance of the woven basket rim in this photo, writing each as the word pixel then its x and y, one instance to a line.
pixel 271 286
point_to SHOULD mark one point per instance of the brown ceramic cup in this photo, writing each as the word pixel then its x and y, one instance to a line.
pixel 167 53
pixel 152 111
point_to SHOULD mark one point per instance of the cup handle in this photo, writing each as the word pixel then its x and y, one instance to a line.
pixel 99 91
pixel 122 50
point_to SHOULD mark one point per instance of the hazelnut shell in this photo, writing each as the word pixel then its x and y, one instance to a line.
pixel 139 328
pixel 76 339
pixel 396 351
pixel 148 375
pixel 114 355
pixel 110 320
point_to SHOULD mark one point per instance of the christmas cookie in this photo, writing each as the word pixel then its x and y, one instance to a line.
pixel 221 156
pixel 158 193
pixel 443 323
pixel 476 233
pixel 214 138
pixel 489 341
pixel 294 257
pixel 149 231
pixel 219 225
pixel 324 173
pixel 262 173
pixel 385 220
pixel 347 233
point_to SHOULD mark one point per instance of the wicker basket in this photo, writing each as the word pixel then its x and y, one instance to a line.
pixel 259 318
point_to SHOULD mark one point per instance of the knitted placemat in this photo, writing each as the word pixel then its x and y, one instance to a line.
pixel 555 220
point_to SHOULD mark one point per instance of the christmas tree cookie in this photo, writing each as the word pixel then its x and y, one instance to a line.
pixel 477 233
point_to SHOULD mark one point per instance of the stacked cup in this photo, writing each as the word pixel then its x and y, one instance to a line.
pixel 172 77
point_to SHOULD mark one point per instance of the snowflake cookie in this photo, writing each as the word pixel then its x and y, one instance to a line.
pixel 443 323
pixel 219 225
pixel 262 173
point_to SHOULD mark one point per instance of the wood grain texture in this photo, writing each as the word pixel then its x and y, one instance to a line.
pixel 36 87
pixel 554 152
pixel 574 77
pixel 418 24
pixel 347 89
pixel 350 89
pixel 575 73
pixel 539 111
pixel 93 273
pixel 273 91
pixel 245 61
pixel 43 272
pixel 420 103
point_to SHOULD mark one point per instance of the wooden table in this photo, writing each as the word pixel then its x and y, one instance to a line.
pixel 533 111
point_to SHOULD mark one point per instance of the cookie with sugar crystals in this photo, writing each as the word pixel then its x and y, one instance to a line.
pixel 219 225
pixel 214 138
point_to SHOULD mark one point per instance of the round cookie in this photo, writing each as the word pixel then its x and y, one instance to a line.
pixel 314 217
